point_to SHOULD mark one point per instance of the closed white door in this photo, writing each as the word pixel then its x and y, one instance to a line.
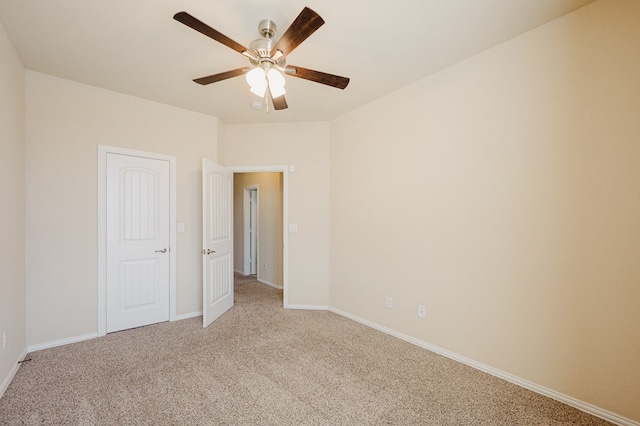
pixel 138 225
pixel 217 241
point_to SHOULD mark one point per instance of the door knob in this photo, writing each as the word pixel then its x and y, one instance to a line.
pixel 208 251
pixel 164 250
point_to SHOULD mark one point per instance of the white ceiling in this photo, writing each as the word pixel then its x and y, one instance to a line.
pixel 135 46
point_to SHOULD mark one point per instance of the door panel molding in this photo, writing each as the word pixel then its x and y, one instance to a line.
pixel 103 151
pixel 217 240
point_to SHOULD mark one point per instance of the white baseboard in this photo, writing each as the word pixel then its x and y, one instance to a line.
pixel 5 383
pixel 187 316
pixel 60 342
pixel 75 339
pixel 573 402
pixel 309 307
pixel 270 284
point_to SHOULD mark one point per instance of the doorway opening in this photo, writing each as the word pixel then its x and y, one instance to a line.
pixel 260 224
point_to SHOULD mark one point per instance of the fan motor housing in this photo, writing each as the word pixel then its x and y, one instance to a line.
pixel 261 48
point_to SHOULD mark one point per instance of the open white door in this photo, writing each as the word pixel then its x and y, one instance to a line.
pixel 217 241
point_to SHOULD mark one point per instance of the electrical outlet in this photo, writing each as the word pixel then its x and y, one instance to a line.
pixel 422 311
pixel 389 302
pixel 4 340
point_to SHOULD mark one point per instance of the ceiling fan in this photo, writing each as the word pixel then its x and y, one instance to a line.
pixel 268 59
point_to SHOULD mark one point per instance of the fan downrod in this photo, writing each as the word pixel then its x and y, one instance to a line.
pixel 267 28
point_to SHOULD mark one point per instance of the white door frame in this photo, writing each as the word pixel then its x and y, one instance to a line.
pixel 249 238
pixel 103 150
pixel 285 217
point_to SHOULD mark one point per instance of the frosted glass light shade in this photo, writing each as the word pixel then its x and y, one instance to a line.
pixel 276 83
pixel 255 76
pixel 259 89
pixel 257 81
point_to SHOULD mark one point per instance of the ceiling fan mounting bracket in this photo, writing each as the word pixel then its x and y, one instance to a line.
pixel 267 28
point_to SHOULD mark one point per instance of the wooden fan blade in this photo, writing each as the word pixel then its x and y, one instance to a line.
pixel 302 27
pixel 203 28
pixel 318 77
pixel 279 103
pixel 220 76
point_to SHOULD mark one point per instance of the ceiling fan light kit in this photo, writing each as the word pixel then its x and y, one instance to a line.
pixel 268 60
pixel 259 80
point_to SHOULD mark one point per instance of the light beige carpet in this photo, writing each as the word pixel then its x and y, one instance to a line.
pixel 260 364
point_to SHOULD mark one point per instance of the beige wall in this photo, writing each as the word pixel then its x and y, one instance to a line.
pixel 12 168
pixel 504 194
pixel 306 147
pixel 66 121
pixel 269 224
